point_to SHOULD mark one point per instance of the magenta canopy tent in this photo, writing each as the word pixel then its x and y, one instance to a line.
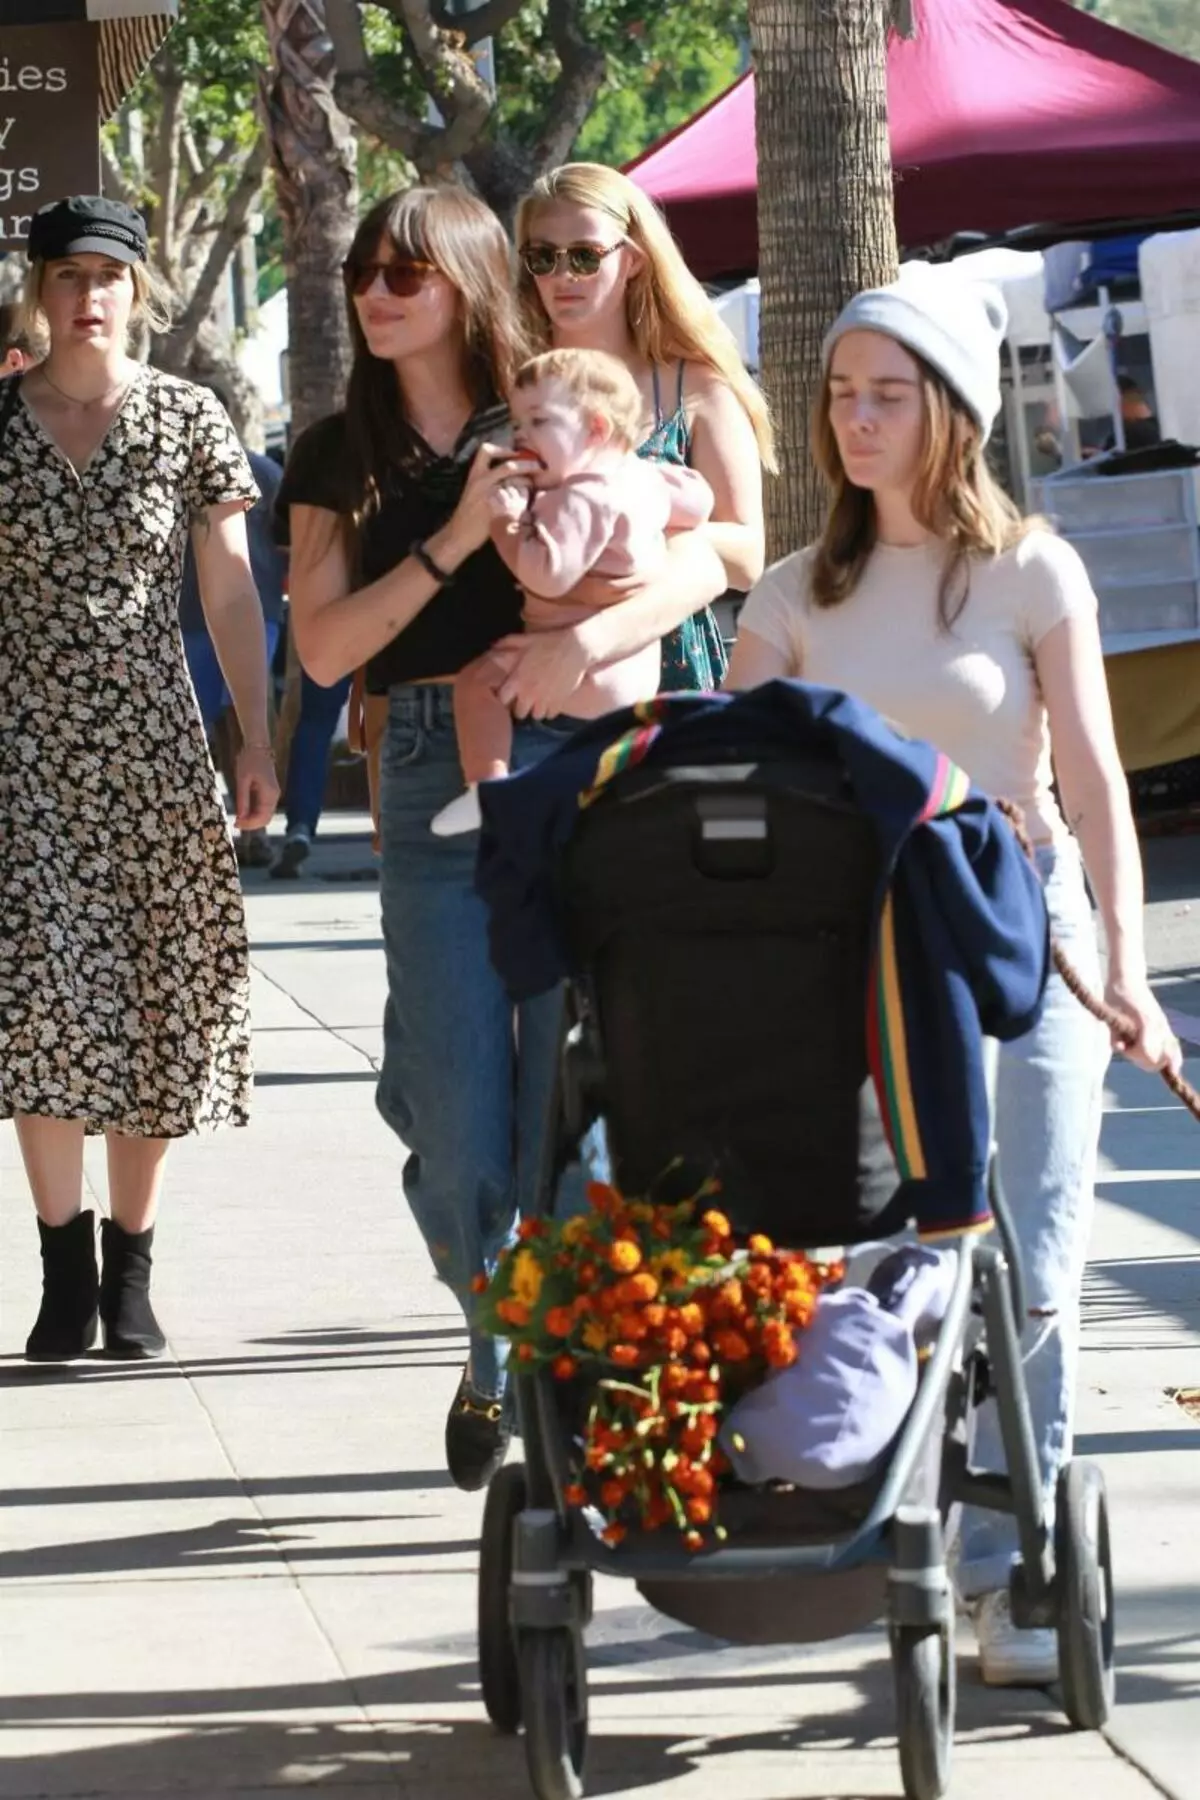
pixel 1005 116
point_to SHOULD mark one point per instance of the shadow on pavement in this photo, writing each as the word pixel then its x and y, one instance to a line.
pixel 199 1746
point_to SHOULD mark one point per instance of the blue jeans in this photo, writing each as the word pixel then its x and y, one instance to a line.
pixel 212 696
pixel 308 757
pixel 1048 1107
pixel 453 1088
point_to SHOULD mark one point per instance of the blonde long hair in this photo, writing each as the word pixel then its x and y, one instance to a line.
pixel 671 317
pixel 955 497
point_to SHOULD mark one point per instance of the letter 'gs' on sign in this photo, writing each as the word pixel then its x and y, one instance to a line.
pixel 49 120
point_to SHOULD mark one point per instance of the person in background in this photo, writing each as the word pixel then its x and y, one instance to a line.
pixel 308 771
pixel 1137 418
pixel 269 567
pixel 17 352
pixel 930 598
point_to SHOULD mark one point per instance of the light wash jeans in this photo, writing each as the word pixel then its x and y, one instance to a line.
pixel 1048 1106
pixel 468 1109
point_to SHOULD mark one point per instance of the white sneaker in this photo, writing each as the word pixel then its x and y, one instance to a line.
pixel 1009 1657
pixel 461 815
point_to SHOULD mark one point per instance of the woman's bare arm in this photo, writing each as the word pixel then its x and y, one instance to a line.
pixel 1070 672
pixel 233 614
pixel 725 452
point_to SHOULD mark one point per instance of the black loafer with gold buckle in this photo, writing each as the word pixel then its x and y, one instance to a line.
pixel 478 1431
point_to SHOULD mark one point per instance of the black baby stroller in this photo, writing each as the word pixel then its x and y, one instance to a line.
pixel 719 921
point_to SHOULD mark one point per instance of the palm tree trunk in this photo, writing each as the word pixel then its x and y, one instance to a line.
pixel 826 220
pixel 316 187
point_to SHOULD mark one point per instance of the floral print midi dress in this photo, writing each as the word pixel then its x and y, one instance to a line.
pixel 124 973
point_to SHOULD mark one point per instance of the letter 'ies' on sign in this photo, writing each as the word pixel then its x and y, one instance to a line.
pixel 49 121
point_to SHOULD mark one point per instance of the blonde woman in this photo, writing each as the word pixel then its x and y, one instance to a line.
pixel 928 597
pixel 599 270
pixel 124 981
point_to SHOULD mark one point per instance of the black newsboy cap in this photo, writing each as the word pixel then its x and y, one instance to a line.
pixel 87 223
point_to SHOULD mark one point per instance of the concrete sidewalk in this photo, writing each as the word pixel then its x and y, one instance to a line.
pixel 244 1571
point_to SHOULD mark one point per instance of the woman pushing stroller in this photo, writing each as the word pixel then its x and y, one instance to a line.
pixel 930 598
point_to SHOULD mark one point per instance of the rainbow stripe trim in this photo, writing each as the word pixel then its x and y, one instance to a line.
pixel 887 1038
pixel 627 751
pixel 949 790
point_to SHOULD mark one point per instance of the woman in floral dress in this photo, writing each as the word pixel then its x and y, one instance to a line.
pixel 123 960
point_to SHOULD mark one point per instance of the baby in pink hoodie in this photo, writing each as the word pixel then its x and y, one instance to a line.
pixel 589 506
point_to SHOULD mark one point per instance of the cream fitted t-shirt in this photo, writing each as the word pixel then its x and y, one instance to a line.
pixel 972 691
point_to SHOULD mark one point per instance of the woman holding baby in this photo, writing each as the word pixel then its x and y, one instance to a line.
pixel 396 507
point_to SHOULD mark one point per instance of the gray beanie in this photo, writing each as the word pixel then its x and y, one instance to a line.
pixel 955 325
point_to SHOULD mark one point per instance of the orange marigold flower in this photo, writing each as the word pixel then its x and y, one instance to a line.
pixel 624 1256
pixel 758 1281
pixel 699 1511
pixel 691 1318
pixel 693 1439
pixel 673 1379
pixel 693 1540
pixel 700 1352
pixel 779 1346
pixel 575 1494
pixel 596 1457
pixel 625 1356
pixel 654 1315
pixel 642 1286
pixel 675 1341
pixel 531 1228
pixel 613 1534
pixel 479 1284
pixel 564 1368
pixel 613 1492
pixel 716 1223
pixel 730 1295
pixel 560 1321
pixel 731 1346
pixel 526 1352
pixel 632 1325
pixel 758 1245
pixel 513 1313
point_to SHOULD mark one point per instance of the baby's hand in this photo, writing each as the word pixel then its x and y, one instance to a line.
pixel 509 502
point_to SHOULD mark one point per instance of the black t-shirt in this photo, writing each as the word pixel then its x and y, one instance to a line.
pixel 464 618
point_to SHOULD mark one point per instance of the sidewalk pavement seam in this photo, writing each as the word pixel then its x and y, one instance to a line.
pixel 1113 1738
pixel 329 1030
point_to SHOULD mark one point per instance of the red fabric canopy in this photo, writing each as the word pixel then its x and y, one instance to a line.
pixel 1003 114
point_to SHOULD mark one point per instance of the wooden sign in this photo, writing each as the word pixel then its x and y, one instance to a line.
pixel 49 121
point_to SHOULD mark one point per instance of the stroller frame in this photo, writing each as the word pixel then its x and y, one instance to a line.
pixel 538 1556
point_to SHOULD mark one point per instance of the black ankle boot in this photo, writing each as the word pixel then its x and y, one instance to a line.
pixel 130 1327
pixel 66 1323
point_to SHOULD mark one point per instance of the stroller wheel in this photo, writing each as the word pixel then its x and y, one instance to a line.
pixel 924 1666
pixel 554 1702
pixel 499 1676
pixel 1083 1559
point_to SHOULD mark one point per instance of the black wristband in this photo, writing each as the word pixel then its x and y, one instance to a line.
pixel 441 576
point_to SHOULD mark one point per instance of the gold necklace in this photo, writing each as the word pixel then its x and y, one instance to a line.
pixel 97 400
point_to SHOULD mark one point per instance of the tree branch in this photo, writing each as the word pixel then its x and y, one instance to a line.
pixel 114 182
pixel 582 71
pixel 225 240
pixel 166 157
pixel 461 96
